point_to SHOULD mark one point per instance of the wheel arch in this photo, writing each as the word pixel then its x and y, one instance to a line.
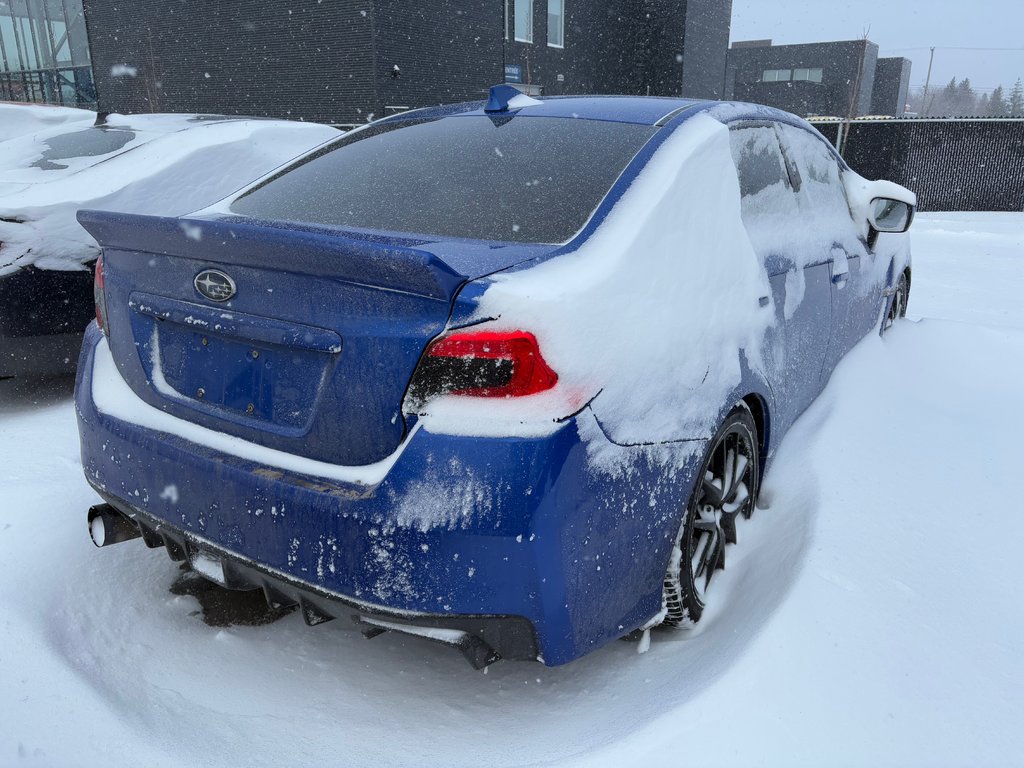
pixel 762 419
pixel 756 393
pixel 682 600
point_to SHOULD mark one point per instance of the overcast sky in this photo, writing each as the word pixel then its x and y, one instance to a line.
pixel 898 27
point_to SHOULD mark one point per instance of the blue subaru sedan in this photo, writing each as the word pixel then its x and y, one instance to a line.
pixel 503 375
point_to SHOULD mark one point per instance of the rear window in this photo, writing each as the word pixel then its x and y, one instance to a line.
pixel 532 179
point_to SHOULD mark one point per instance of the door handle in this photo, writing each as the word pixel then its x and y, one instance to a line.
pixel 840 278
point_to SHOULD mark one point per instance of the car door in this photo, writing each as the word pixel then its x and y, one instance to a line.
pixel 830 228
pixel 795 346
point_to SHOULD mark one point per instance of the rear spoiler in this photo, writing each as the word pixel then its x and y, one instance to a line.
pixel 268 245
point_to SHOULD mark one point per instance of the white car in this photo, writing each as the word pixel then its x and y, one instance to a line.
pixel 155 164
pixel 18 119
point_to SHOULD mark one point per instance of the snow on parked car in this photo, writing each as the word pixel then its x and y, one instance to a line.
pixel 19 119
pixel 505 377
pixel 161 164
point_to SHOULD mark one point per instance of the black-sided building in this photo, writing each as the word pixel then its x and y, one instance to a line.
pixel 844 78
pixel 343 61
pixel 892 87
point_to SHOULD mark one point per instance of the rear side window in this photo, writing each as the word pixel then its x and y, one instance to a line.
pixel 767 201
pixel 823 197
pixel 526 179
pixel 759 161
pixel 821 170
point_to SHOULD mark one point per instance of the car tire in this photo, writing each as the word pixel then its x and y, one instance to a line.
pixel 898 307
pixel 730 478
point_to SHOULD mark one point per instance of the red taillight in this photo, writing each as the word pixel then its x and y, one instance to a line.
pixel 483 364
pixel 99 295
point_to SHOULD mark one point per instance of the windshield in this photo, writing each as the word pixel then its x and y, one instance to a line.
pixel 534 180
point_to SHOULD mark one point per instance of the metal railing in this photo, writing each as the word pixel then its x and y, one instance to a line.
pixel 66 86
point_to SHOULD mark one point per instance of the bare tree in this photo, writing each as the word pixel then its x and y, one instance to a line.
pixel 854 92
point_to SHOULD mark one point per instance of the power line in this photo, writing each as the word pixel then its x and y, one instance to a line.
pixel 953 48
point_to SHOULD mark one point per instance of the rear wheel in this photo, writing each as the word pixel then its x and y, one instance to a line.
pixel 728 486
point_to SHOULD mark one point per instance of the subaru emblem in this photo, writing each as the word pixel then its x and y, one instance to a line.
pixel 215 285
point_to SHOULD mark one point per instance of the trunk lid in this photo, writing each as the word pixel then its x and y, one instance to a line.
pixel 313 352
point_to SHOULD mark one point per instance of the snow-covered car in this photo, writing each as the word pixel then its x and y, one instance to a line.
pixel 159 164
pixel 20 119
pixel 502 375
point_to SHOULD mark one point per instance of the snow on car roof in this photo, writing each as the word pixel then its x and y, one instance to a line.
pixel 18 119
pixel 75 146
pixel 644 110
pixel 157 164
pixel 625 109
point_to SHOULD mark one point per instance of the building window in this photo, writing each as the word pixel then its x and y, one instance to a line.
pixel 524 21
pixel 556 23
pixel 776 75
pixel 813 75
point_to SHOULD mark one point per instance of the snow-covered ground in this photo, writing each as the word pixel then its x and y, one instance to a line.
pixel 871 614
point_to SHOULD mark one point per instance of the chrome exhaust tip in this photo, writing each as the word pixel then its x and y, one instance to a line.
pixel 108 526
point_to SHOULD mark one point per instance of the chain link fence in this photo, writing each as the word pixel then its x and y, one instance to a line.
pixel 954 164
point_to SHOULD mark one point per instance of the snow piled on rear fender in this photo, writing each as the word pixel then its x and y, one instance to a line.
pixel 656 308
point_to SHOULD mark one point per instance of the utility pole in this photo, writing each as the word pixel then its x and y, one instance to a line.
pixel 927 82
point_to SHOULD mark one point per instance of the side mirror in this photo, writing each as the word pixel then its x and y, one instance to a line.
pixel 878 206
pixel 888 215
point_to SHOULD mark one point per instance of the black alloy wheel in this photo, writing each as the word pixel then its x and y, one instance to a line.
pixel 898 308
pixel 731 475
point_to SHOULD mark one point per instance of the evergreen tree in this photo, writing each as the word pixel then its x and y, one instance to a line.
pixel 1016 103
pixel 997 106
pixel 958 99
pixel 983 106
pixel 966 102
pixel 944 101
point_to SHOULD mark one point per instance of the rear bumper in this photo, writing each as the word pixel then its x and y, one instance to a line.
pixel 459 529
pixel 482 639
